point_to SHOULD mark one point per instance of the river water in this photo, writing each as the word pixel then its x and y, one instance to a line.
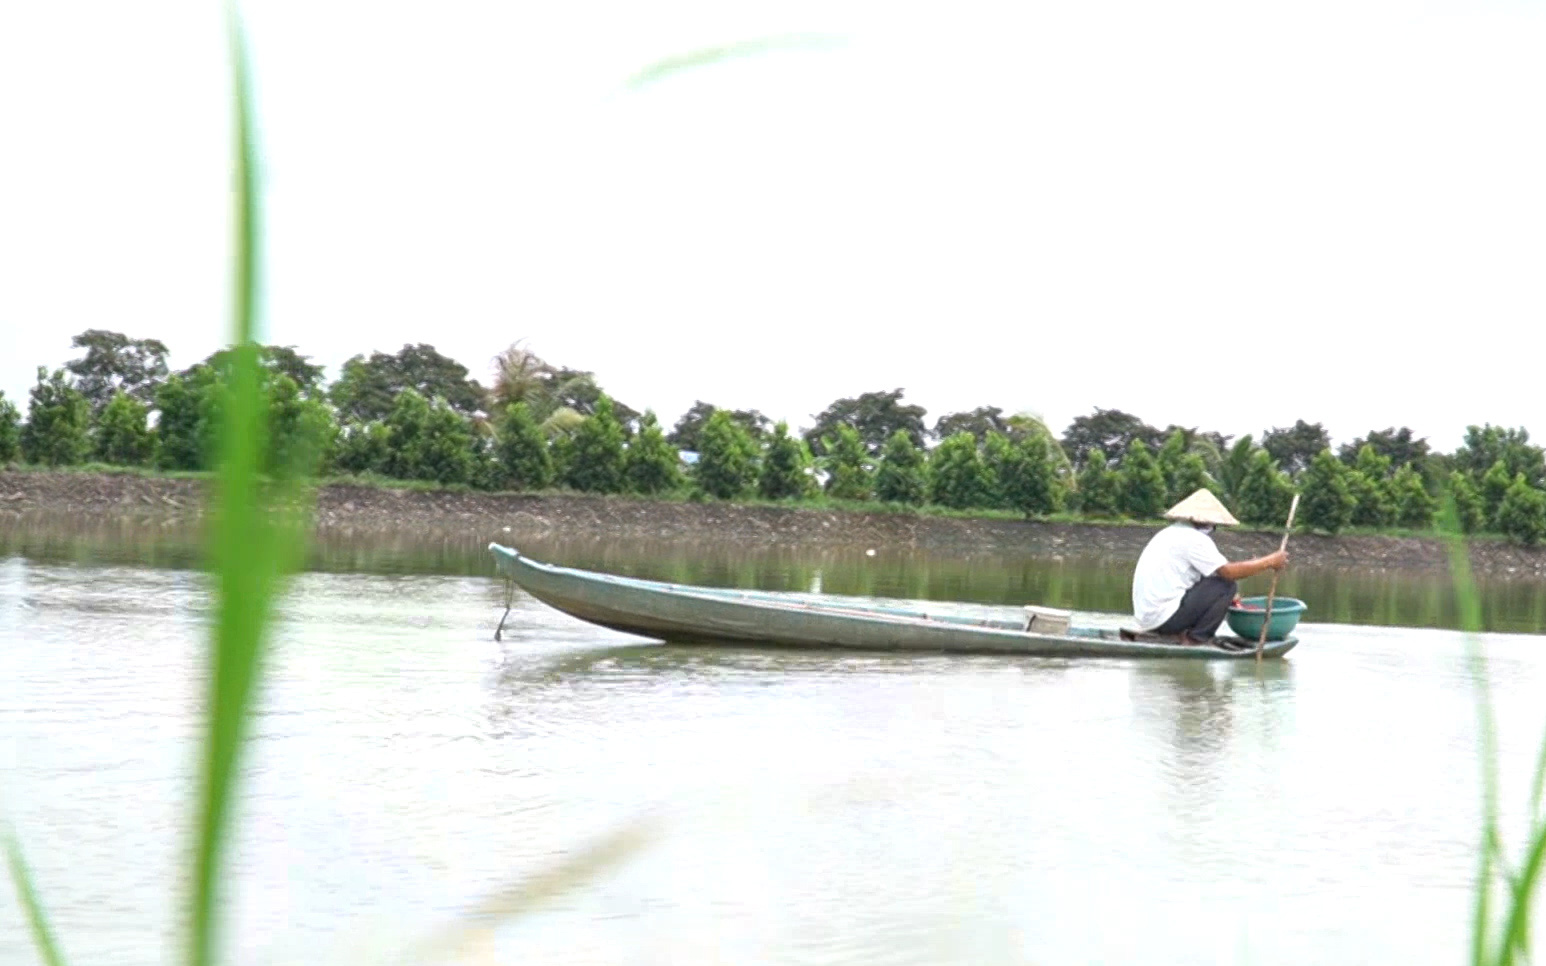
pixel 827 808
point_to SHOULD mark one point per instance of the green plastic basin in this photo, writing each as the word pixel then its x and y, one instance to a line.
pixel 1246 622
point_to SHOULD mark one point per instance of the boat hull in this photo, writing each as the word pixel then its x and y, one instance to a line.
pixel 685 614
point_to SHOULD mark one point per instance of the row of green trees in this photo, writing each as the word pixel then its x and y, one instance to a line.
pixel 417 415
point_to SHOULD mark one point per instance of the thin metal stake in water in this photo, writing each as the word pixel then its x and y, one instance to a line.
pixel 1273 590
pixel 509 602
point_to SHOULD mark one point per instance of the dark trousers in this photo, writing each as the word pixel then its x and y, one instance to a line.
pixel 1202 608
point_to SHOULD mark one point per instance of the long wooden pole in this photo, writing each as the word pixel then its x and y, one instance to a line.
pixel 1272 592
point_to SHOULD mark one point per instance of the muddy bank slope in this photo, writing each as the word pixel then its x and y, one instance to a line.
pixel 349 509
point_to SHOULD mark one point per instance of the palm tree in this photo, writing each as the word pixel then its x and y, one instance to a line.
pixel 521 375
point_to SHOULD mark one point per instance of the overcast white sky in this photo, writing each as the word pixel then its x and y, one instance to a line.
pixel 1225 214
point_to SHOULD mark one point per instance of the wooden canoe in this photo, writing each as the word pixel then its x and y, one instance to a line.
pixel 686 614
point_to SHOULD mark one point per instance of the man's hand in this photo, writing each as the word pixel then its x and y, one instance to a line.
pixel 1242 569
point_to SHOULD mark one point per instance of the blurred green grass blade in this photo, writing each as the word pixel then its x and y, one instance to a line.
pixel 1467 600
pixel 42 935
pixel 706 56
pixel 1536 783
pixel 1516 928
pixel 1539 831
pixel 601 856
pixel 1480 915
pixel 248 546
pixel 1469 611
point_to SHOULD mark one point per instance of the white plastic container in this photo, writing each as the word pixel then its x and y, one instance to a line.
pixel 1046 620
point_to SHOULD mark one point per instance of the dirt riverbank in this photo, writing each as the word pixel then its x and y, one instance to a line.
pixel 356 510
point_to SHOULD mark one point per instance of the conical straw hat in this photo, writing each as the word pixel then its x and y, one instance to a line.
pixel 1202 507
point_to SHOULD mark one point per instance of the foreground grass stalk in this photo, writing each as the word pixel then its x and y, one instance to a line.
pixel 37 919
pixel 709 56
pixel 477 925
pixel 1469 607
pixel 1512 942
pixel 250 546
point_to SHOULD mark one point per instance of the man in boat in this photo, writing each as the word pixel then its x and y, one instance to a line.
pixel 1183 585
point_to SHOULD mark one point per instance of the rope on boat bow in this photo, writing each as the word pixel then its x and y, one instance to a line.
pixel 509 602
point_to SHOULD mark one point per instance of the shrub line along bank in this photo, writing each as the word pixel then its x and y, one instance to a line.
pixel 356 508
pixel 417 416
